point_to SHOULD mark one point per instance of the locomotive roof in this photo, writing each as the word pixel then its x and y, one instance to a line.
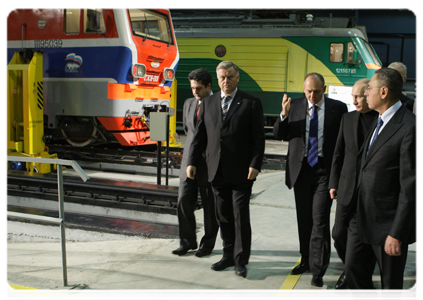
pixel 265 32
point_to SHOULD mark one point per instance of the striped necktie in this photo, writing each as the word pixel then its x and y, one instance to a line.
pixel 313 155
pixel 225 106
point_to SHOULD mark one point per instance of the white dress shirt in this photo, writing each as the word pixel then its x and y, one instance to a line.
pixel 387 116
pixel 321 123
pixel 321 116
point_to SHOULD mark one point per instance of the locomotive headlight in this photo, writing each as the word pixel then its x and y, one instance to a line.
pixel 169 74
pixel 138 71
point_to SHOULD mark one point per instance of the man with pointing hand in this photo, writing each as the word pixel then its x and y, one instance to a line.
pixel 311 126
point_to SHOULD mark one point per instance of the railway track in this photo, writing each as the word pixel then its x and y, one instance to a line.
pixel 108 205
pixel 97 205
pixel 141 160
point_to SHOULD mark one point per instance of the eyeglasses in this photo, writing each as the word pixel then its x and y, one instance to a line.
pixel 369 88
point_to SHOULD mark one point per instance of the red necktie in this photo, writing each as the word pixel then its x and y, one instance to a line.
pixel 198 113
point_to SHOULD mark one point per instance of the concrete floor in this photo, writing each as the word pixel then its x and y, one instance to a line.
pixel 110 266
pixel 121 267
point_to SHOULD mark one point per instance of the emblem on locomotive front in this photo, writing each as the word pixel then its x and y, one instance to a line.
pixel 73 63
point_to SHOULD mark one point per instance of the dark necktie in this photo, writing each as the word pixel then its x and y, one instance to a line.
pixel 313 155
pixel 197 114
pixel 379 125
pixel 225 107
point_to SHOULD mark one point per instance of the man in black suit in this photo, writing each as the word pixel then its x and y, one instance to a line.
pixel 311 126
pixel 402 69
pixel 346 161
pixel 385 223
pixel 201 82
pixel 231 130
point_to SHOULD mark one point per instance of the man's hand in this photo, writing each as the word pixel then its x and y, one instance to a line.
pixel 392 246
pixel 252 173
pixel 191 171
pixel 333 193
pixel 286 105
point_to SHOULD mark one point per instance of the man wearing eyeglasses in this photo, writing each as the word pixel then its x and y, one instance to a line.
pixel 385 221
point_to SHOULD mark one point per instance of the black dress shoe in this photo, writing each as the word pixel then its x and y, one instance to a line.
pixel 342 282
pixel 300 269
pixel 241 270
pixel 223 264
pixel 317 281
pixel 203 252
pixel 182 250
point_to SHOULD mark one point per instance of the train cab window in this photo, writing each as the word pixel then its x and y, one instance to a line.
pixel 352 55
pixel 72 21
pixel 94 21
pixel 148 24
pixel 336 52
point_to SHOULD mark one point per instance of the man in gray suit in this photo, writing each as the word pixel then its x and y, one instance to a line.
pixel 201 82
pixel 385 221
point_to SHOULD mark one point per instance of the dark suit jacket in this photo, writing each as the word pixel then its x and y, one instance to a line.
pixel 387 184
pixel 346 158
pixel 293 129
pixel 237 143
pixel 408 102
pixel 190 110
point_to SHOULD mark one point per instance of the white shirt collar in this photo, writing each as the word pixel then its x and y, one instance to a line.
pixel 390 112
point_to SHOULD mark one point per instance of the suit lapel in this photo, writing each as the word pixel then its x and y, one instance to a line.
pixel 236 103
pixel 355 124
pixel 193 109
pixel 388 131
pixel 216 108
pixel 301 116
pixel 329 113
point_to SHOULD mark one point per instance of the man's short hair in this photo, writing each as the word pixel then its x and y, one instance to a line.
pixel 226 65
pixel 363 82
pixel 392 79
pixel 315 76
pixel 201 75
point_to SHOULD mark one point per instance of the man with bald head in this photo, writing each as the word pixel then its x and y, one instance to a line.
pixel 402 69
pixel 343 177
pixel 311 126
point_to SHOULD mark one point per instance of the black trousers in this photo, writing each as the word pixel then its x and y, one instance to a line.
pixel 233 216
pixel 361 259
pixel 313 204
pixel 343 216
pixel 188 196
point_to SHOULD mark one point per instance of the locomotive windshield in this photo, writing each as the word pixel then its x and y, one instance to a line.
pixel 151 25
pixel 374 57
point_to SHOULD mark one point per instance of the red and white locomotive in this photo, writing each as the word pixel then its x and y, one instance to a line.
pixel 104 70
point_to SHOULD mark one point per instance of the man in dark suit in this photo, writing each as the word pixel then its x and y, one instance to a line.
pixel 402 69
pixel 385 223
pixel 200 81
pixel 346 161
pixel 231 130
pixel 311 126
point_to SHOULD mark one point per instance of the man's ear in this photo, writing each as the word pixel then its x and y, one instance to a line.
pixel 384 92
